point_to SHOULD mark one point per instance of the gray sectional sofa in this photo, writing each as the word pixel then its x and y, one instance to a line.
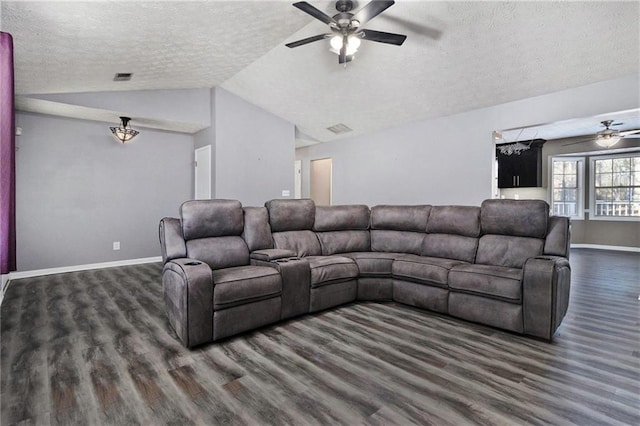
pixel 229 269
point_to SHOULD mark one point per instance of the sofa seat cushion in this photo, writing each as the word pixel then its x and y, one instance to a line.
pixel 331 269
pixel 497 282
pixel 424 270
pixel 244 284
pixel 374 264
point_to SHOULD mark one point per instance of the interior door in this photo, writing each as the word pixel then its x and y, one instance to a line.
pixel 202 164
pixel 321 181
pixel 297 170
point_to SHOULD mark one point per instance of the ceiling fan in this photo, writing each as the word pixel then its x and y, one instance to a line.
pixel 346 27
pixel 609 137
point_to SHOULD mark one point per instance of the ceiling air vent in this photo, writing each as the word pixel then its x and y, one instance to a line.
pixel 339 128
pixel 122 76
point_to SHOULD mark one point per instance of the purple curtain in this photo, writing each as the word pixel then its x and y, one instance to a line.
pixel 7 158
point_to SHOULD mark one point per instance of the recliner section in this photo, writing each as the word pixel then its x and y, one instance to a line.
pixel 211 289
pixel 229 269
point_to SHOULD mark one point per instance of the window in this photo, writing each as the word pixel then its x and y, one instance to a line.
pixel 615 187
pixel 567 190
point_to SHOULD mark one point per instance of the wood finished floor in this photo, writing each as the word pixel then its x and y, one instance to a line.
pixel 94 348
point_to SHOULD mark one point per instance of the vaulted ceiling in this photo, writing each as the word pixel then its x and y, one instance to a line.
pixel 458 55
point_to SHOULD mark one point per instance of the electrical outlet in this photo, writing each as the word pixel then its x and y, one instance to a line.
pixel 286 193
pixel 116 245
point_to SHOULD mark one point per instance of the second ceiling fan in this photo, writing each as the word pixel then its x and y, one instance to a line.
pixel 346 27
pixel 608 137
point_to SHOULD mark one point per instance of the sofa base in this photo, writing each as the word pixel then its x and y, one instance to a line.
pixel 331 295
pixel 421 295
pixel 375 289
pixel 495 313
pixel 228 322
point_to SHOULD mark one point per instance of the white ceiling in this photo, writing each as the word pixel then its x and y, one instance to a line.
pixel 458 55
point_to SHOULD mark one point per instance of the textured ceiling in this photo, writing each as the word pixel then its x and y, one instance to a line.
pixel 458 55
pixel 79 46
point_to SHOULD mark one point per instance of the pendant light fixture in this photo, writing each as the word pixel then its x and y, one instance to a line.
pixel 124 133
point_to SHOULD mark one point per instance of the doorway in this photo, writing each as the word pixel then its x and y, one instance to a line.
pixel 321 181
pixel 202 165
pixel 297 170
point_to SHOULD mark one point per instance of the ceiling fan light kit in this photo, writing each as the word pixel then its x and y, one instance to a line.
pixel 346 32
pixel 607 141
pixel 124 133
pixel 353 43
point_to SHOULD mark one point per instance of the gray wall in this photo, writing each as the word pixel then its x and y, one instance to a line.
pixel 254 151
pixel 78 190
pixel 449 160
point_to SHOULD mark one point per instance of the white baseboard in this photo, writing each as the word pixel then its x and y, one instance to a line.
pixel 603 247
pixel 75 268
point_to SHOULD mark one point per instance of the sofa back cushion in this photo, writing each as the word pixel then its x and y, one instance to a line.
pixel 509 251
pixel 211 218
pixel 400 218
pixel 457 220
pixel 450 246
pixel 291 215
pixel 342 229
pixel 452 233
pixel 398 229
pixel 303 243
pixel 521 218
pixel 291 223
pixel 333 242
pixel 257 232
pixel 342 218
pixel 212 229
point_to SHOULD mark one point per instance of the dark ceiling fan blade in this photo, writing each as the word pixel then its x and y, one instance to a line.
pixel 307 40
pixel 371 10
pixel 311 10
pixel 579 142
pixel 415 27
pixel 382 37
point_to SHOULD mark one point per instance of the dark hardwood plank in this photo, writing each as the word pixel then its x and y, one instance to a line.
pixel 94 347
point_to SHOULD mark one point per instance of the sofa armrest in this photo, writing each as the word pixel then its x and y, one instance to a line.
pixel 545 294
pixel 296 282
pixel 188 296
pixel 268 255
pixel 172 243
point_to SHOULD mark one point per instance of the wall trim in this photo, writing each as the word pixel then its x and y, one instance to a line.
pixel 75 268
pixel 605 247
